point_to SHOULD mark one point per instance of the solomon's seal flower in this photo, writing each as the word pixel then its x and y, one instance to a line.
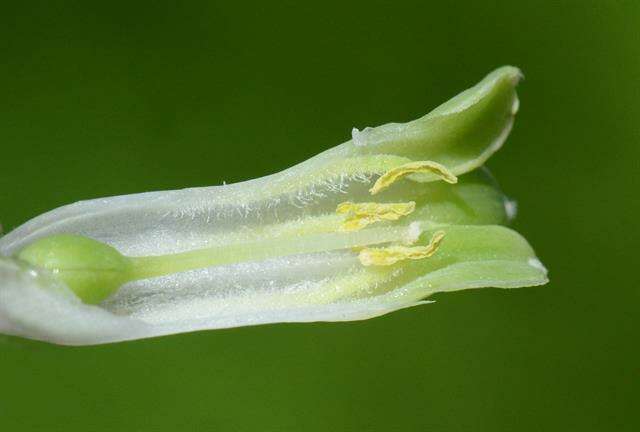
pixel 379 223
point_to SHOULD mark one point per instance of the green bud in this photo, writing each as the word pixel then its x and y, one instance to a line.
pixel 93 270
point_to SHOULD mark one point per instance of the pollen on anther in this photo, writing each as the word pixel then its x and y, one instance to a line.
pixel 394 174
pixel 359 215
pixel 392 254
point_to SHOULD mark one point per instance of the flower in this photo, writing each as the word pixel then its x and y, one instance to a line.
pixel 379 223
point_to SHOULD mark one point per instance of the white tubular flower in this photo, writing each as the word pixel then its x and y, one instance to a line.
pixel 373 225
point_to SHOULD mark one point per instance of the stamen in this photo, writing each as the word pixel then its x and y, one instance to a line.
pixel 392 254
pixel 362 214
pixel 394 174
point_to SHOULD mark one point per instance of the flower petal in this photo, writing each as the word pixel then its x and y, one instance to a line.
pixel 461 135
pixel 471 257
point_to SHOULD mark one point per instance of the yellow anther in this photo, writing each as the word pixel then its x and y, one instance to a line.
pixel 391 176
pixel 362 214
pixel 392 254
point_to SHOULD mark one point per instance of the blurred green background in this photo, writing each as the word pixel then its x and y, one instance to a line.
pixel 108 98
